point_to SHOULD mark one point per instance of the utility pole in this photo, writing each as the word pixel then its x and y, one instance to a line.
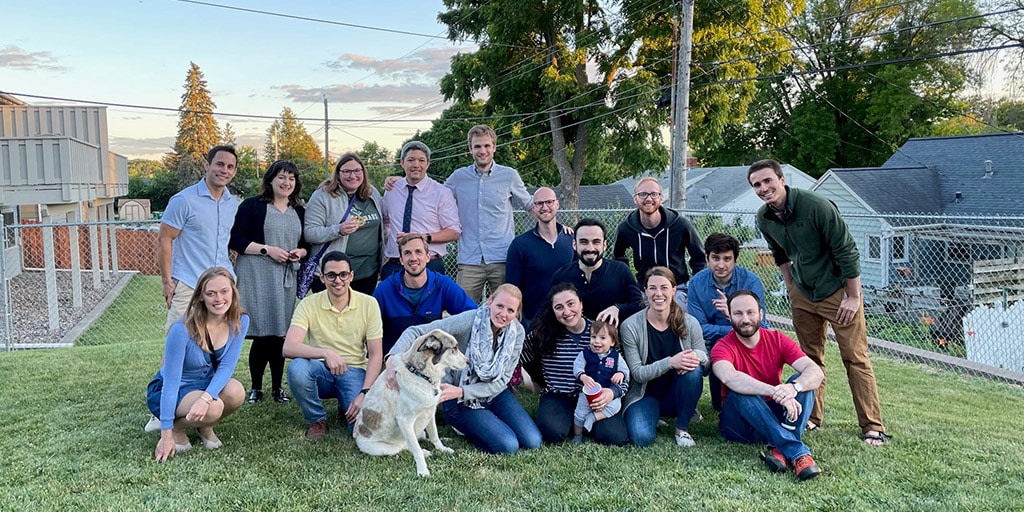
pixel 681 107
pixel 327 142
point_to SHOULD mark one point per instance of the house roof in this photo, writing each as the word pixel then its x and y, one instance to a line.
pixel 894 189
pixel 959 165
pixel 709 188
pixel 599 197
pixel 7 99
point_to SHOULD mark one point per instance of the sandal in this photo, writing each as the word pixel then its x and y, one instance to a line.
pixel 881 437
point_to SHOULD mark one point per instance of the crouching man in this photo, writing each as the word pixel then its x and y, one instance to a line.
pixel 757 407
pixel 342 355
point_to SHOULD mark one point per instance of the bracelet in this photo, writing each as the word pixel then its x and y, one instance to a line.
pixel 207 400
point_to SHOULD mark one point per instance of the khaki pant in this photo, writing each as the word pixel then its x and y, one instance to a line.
pixel 472 278
pixel 810 321
pixel 179 301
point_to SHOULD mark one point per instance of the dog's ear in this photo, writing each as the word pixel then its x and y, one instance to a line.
pixel 434 344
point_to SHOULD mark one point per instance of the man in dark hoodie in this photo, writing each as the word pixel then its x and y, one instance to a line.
pixel 659 236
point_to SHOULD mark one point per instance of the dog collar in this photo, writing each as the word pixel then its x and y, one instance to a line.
pixel 413 370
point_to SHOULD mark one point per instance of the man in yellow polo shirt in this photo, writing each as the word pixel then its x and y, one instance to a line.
pixel 341 356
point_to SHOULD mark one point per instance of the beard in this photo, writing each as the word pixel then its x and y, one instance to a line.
pixel 591 258
pixel 746 330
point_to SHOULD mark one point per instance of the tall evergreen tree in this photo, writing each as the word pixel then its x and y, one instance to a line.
pixel 292 142
pixel 197 130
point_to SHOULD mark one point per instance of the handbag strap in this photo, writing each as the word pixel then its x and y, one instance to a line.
pixel 351 202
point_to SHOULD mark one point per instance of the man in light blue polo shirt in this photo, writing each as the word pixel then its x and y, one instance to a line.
pixel 194 231
pixel 484 193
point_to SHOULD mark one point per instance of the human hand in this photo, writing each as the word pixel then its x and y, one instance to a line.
pixel 389 183
pixel 684 361
pixel 721 303
pixel 450 392
pixel 783 392
pixel 353 408
pixel 792 409
pixel 334 362
pixel 198 411
pixel 278 254
pixel 348 227
pixel 297 254
pixel 165 446
pixel 587 380
pixel 609 315
pixel 602 400
pixel 847 310
pixel 617 378
pixel 168 291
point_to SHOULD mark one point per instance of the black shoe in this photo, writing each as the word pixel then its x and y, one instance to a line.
pixel 255 395
pixel 280 397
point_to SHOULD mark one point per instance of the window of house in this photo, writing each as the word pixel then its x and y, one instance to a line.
pixel 874 247
pixel 958 252
pixel 899 248
pixel 9 236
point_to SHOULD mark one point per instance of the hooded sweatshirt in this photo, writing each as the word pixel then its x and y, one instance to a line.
pixel 664 248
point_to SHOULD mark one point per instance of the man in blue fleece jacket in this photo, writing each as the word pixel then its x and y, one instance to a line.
pixel 416 295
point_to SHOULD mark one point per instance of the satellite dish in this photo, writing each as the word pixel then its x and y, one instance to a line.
pixel 705 194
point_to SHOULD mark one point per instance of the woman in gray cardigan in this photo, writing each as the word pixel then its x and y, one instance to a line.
pixel 356 231
pixel 664 349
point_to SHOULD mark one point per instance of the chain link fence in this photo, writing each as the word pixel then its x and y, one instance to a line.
pixel 946 291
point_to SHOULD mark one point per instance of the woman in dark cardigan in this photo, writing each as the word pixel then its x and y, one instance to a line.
pixel 267 235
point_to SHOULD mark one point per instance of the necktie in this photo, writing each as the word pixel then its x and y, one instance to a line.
pixel 407 216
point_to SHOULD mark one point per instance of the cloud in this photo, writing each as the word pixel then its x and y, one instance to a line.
pixel 14 57
pixel 360 93
pixel 141 148
pixel 428 65
pixel 425 112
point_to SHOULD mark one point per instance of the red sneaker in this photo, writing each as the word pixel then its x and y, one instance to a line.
pixel 805 468
pixel 774 460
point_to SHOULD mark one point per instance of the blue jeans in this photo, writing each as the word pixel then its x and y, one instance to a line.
pixel 554 420
pixel 681 400
pixel 753 420
pixel 502 426
pixel 311 382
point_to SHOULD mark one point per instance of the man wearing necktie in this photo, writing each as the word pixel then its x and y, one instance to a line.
pixel 418 204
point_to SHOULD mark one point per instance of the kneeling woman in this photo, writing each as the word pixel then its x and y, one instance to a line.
pixel 664 349
pixel 477 401
pixel 558 334
pixel 194 387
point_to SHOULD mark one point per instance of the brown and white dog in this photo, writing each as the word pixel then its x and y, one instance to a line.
pixel 391 420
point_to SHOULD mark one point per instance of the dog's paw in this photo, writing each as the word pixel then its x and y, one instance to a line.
pixel 444 449
pixel 426 453
pixel 424 473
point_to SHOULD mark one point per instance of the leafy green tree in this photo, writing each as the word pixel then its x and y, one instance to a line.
pixel 865 80
pixel 446 139
pixel 287 139
pixel 143 167
pixel 379 162
pixel 229 134
pixel 555 113
pixel 197 130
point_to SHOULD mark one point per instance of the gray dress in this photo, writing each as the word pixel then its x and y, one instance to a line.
pixel 266 287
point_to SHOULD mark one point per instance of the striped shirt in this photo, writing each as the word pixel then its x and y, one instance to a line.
pixel 559 376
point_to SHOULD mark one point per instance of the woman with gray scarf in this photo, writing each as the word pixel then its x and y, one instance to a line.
pixel 476 401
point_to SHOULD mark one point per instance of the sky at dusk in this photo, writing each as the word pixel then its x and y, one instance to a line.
pixel 137 52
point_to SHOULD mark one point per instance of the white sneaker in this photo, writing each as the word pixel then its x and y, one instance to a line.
pixel 684 439
pixel 661 423
pixel 152 425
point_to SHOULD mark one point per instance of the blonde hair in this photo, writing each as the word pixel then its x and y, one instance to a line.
pixel 481 130
pixel 646 179
pixel 512 290
pixel 196 313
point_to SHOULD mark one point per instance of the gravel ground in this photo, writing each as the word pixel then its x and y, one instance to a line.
pixel 29 307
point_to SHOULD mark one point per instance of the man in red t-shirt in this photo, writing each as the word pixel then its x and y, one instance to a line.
pixel 757 407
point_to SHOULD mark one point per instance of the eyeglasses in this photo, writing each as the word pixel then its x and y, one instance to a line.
pixel 550 203
pixel 350 171
pixel 648 195
pixel 334 276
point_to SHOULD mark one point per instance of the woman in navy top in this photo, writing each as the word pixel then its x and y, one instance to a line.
pixel 194 387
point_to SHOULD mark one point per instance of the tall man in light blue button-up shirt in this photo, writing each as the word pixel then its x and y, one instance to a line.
pixel 484 193
pixel 195 229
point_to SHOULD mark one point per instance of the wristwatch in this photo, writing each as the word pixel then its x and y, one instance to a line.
pixel 364 390
pixel 263 250
pixel 798 387
pixel 430 239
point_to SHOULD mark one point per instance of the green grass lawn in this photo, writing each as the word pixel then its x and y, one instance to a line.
pixel 71 438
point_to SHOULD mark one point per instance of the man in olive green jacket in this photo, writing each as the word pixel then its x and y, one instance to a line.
pixel 820 264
